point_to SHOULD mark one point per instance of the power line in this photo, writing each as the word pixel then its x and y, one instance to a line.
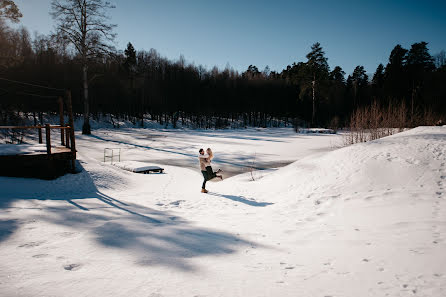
pixel 31 85
pixel 36 95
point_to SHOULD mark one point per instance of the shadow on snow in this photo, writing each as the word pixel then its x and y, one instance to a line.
pixel 153 237
pixel 241 199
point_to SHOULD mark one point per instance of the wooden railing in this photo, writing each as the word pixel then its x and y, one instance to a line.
pixel 66 132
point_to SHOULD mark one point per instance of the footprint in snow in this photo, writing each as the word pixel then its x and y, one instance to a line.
pixel 32 244
pixel 38 256
pixel 72 267
pixel 177 203
pixel 66 234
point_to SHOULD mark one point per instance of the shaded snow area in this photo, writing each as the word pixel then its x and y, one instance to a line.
pixel 21 149
pixel 364 220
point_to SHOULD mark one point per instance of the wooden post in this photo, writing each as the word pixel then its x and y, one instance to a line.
pixel 40 135
pixel 62 138
pixel 67 137
pixel 48 139
pixel 71 122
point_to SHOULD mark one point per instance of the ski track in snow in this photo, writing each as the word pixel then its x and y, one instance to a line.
pixel 364 220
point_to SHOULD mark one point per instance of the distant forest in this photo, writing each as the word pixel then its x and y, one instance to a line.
pixel 134 85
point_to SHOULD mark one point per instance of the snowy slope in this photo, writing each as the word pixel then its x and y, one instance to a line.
pixel 365 220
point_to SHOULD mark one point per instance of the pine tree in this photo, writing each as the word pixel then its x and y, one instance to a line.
pixel 359 80
pixel 419 62
pixel 378 77
pixel 318 67
pixel 317 60
pixel 338 75
pixel 395 74
pixel 420 58
pixel 130 59
pixel 378 83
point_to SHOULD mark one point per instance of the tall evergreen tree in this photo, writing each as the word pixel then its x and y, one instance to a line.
pixel 419 63
pixel 419 57
pixel 378 77
pixel 395 75
pixel 359 82
pixel 397 59
pixel 378 83
pixel 359 76
pixel 130 58
pixel 338 75
pixel 317 60
pixel 318 67
pixel 336 107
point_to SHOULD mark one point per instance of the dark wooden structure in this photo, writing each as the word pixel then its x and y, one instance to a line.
pixel 56 161
pixel 152 169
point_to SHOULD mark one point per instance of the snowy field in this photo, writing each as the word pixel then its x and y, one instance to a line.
pixel 364 220
pixel 236 151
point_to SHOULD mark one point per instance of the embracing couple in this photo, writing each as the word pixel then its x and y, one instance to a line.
pixel 206 168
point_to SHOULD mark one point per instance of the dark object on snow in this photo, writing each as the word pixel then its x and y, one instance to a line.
pixel 147 170
pixel 439 123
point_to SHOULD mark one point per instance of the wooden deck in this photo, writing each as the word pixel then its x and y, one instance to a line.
pixel 38 164
pixel 50 163
pixel 55 160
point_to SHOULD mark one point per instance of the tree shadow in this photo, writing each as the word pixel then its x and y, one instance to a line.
pixel 151 236
pixel 180 152
pixel 241 199
pixel 7 228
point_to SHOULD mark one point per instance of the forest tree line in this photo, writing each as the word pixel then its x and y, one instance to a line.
pixel 134 85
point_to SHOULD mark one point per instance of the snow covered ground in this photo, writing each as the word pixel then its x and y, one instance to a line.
pixel 23 149
pixel 364 220
pixel 236 151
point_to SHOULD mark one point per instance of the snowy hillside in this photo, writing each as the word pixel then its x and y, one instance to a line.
pixel 364 220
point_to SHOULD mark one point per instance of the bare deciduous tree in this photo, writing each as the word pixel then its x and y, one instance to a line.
pixel 84 24
pixel 9 10
pixel 440 59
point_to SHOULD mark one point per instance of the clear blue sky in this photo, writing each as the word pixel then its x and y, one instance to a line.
pixel 275 33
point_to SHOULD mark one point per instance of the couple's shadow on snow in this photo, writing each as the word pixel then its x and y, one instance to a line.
pixel 241 199
pixel 153 237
